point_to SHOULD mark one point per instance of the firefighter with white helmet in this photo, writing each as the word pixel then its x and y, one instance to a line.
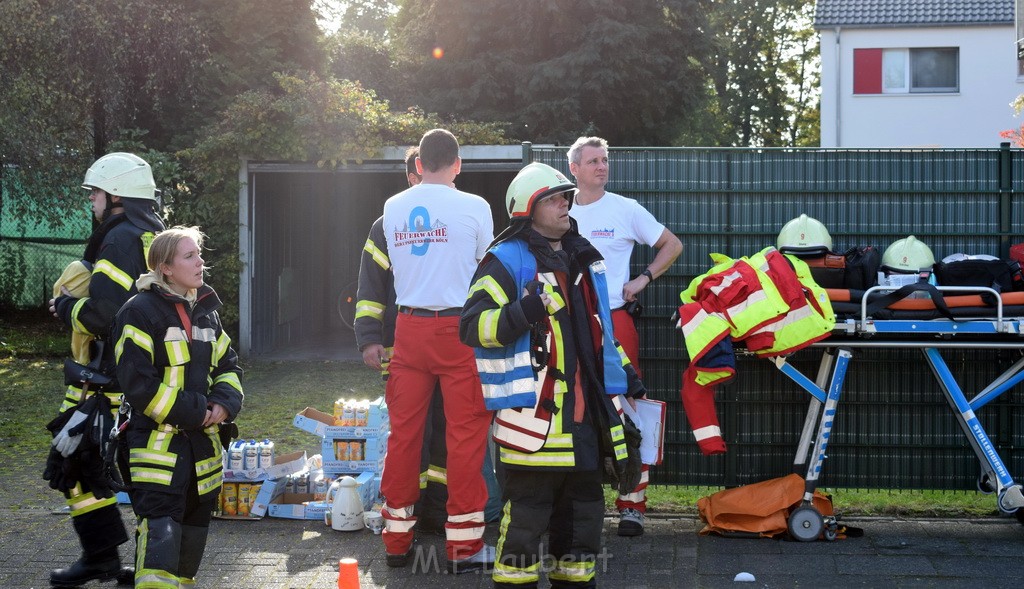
pixel 123 196
pixel 804 236
pixel 537 317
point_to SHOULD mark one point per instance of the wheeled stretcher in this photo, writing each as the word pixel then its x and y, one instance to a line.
pixel 996 326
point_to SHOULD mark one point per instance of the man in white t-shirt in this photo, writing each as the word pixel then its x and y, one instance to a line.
pixel 435 237
pixel 614 224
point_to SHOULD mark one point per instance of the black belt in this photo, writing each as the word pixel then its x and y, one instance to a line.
pixel 449 312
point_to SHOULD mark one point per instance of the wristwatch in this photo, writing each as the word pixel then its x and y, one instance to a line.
pixel 648 274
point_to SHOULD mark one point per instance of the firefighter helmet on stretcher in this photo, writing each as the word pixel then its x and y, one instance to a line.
pixel 804 235
pixel 908 256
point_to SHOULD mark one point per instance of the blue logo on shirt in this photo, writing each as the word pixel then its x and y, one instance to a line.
pixel 419 233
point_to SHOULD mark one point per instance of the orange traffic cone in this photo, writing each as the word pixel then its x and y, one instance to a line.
pixel 348 573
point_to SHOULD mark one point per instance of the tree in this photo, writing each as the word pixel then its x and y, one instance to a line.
pixel 764 72
pixel 554 70
pixel 1016 136
pixel 304 118
pixel 75 75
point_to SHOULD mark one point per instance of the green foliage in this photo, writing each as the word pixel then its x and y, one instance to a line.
pixel 367 16
pixel 555 70
pixel 12 279
pixel 306 118
pixel 763 73
pixel 363 57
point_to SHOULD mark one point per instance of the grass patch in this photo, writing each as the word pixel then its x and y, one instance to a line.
pixel 32 334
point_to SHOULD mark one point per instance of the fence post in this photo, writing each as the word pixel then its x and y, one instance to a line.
pixel 527 152
pixel 1005 198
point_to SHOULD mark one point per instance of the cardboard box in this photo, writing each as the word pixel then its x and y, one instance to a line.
pixel 374 450
pixel 369 487
pixel 268 491
pixel 293 506
pixel 305 505
pixel 369 491
pixel 284 465
pixel 322 424
pixel 371 449
pixel 315 510
pixel 349 467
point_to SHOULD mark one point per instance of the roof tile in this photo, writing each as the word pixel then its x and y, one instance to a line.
pixel 870 13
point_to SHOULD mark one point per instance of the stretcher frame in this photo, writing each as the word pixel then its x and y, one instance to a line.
pixel 997 332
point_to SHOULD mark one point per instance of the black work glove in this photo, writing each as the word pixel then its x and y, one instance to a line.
pixel 54 471
pixel 629 470
pixel 94 473
pixel 61 473
pixel 227 432
pixel 101 421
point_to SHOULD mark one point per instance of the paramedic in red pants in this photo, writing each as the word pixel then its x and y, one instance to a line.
pixel 375 337
pixel 435 236
pixel 614 224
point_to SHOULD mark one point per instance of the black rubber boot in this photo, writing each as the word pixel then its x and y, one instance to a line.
pixel 126 576
pixel 100 567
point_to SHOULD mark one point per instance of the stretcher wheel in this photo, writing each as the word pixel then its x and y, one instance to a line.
pixel 1003 502
pixel 805 523
pixel 831 531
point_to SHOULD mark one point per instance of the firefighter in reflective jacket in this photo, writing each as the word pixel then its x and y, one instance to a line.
pixel 534 317
pixel 181 378
pixel 123 195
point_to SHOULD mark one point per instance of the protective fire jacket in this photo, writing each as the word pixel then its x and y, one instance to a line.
pixel 117 252
pixel 572 368
pixel 375 295
pixel 171 372
pixel 769 301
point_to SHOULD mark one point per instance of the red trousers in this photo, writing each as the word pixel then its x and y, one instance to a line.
pixel 428 350
pixel 624 328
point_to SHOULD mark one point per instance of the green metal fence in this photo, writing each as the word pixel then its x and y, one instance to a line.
pixel 894 428
pixel 33 254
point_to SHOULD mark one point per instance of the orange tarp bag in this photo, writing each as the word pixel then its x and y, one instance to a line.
pixel 757 510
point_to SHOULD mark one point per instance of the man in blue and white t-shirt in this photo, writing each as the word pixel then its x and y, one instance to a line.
pixel 614 224
pixel 435 237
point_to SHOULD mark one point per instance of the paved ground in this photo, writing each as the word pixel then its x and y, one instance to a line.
pixel 289 554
